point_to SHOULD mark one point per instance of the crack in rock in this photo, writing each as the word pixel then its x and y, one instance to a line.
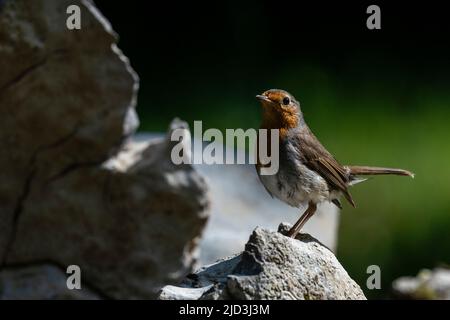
pixel 30 70
pixel 20 203
pixel 109 222
pixel 72 168
pixel 16 214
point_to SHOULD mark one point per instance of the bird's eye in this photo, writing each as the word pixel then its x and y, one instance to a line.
pixel 286 101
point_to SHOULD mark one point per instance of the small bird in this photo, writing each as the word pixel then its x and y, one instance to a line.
pixel 308 174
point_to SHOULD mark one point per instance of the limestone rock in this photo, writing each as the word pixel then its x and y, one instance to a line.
pixel 65 97
pixel 75 190
pixel 272 266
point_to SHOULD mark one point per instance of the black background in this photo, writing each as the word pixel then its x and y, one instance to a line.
pixel 198 50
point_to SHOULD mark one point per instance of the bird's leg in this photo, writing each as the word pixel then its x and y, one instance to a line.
pixel 303 219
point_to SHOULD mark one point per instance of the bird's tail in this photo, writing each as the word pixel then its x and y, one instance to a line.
pixel 371 171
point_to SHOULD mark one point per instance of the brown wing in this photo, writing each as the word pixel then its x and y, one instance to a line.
pixel 317 158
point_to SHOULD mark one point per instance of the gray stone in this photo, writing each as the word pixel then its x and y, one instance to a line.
pixel 75 189
pixel 428 284
pixel 177 293
pixel 66 97
pixel 272 266
pixel 40 282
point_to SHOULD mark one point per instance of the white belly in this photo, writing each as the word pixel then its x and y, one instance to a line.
pixel 297 190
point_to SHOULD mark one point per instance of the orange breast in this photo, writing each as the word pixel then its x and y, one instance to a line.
pixel 283 120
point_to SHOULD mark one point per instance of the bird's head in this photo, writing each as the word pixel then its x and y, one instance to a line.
pixel 280 109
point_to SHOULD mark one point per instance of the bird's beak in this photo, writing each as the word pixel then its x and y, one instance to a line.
pixel 263 98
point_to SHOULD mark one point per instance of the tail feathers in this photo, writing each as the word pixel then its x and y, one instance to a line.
pixel 363 170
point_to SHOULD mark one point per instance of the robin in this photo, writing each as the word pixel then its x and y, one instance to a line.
pixel 308 174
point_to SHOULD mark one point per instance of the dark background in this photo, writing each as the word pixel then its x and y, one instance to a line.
pixel 378 97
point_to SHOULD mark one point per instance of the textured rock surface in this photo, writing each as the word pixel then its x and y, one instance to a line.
pixel 73 190
pixel 272 266
pixel 39 282
pixel 60 91
pixel 429 284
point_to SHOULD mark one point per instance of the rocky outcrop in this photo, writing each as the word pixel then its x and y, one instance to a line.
pixel 74 190
pixel 428 285
pixel 272 266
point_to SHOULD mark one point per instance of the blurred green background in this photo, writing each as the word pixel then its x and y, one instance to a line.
pixel 372 97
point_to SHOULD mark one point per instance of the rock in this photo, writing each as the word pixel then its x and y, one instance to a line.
pixel 66 97
pixel 429 285
pixel 39 282
pixel 272 266
pixel 75 189
pixel 132 225
pixel 177 293
pixel 237 208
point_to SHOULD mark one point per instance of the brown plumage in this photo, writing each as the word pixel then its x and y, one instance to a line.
pixel 308 173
